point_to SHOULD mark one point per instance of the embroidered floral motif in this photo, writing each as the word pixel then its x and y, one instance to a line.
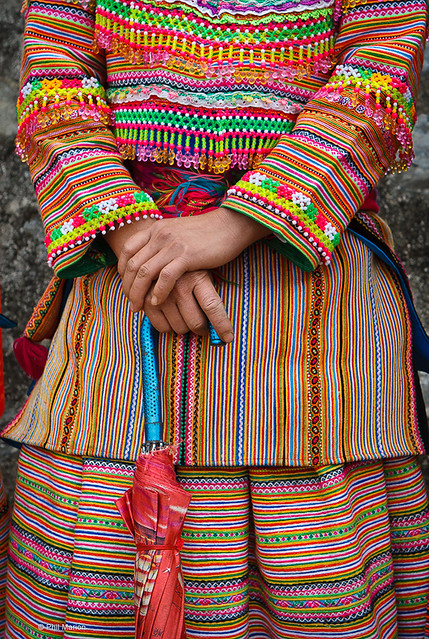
pixel 393 110
pixel 48 101
pixel 101 217
pixel 291 205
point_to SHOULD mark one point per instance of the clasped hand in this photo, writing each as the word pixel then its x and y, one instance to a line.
pixel 164 266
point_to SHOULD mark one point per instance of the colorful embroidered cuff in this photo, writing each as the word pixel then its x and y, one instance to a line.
pixel 45 102
pixel 394 109
pixel 98 218
pixel 310 238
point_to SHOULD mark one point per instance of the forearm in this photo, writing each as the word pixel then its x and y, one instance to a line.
pixel 246 230
pixel 243 230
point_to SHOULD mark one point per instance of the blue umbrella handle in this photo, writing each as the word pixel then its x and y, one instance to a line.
pixel 215 340
pixel 151 384
pixel 151 389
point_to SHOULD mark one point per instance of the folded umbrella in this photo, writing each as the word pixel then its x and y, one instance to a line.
pixel 154 509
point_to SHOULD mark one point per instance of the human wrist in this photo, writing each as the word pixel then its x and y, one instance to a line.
pixel 242 226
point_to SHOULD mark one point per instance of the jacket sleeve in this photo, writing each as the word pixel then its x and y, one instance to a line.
pixel 81 183
pixel 355 128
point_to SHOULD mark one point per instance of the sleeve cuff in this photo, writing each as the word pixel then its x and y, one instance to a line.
pixel 68 244
pixel 304 235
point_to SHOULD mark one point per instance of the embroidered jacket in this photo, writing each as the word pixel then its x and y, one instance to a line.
pixel 314 97
pixel 312 101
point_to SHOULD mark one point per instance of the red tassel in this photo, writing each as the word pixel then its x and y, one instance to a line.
pixel 370 203
pixel 30 356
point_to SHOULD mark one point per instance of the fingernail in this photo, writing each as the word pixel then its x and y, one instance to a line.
pixel 154 301
pixel 229 337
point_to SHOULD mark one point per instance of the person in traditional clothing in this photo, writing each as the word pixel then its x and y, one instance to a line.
pixel 217 160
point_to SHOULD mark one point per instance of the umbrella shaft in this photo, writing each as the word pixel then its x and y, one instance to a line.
pixel 151 389
pixel 151 386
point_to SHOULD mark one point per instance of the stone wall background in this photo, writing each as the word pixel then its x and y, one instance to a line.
pixel 23 269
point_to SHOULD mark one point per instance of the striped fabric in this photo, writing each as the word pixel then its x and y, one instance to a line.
pixel 81 183
pixel 70 555
pixel 332 552
pixel 4 511
pixel 307 553
pixel 4 539
pixel 315 98
pixel 313 376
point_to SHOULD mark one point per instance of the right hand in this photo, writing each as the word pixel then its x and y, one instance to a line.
pixel 192 301
pixel 190 304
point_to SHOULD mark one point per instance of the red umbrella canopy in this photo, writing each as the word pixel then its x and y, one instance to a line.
pixel 154 509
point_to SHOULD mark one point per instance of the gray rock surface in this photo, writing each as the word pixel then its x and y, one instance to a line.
pixel 23 270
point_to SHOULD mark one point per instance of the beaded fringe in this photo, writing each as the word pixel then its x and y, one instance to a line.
pixel 199 138
pixel 267 49
pixel 281 66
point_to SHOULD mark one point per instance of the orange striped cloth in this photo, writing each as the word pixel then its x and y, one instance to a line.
pixel 313 376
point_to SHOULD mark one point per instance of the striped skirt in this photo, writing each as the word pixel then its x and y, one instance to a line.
pixel 4 536
pixel 339 551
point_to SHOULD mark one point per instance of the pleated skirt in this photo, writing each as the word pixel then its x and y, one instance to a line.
pixel 339 551
pixel 4 537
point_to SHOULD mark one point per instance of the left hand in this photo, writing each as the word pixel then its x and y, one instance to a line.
pixel 169 248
